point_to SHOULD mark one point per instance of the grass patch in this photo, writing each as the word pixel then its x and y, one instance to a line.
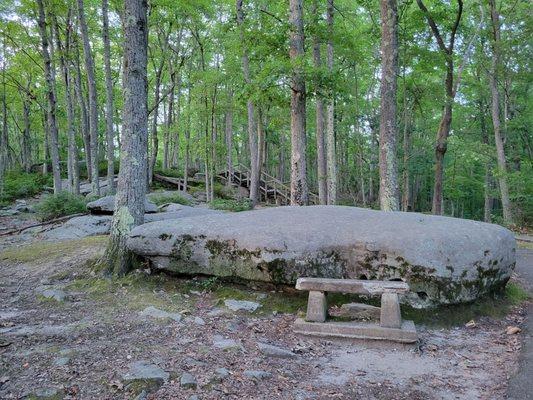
pixel 59 205
pixel 19 185
pixel 165 198
pixel 46 251
pixel 231 205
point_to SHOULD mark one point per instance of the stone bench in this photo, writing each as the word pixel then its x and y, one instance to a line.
pixel 390 327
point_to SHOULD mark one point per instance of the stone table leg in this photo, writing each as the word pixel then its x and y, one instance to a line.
pixel 317 307
pixel 390 311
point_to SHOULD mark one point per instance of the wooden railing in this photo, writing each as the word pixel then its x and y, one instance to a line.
pixel 270 188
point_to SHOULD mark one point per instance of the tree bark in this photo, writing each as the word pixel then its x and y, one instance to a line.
pixel 51 95
pixel 299 191
pixel 84 119
pixel 330 116
pixel 388 129
pixel 26 135
pixel 131 189
pixel 444 127
pixel 252 135
pixel 229 138
pixel 93 108
pixel 64 54
pixel 500 148
pixel 110 147
pixel 322 172
pixel 168 125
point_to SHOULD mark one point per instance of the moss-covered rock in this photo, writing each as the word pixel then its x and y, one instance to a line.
pixel 444 260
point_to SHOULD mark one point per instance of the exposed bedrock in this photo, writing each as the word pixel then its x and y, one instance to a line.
pixel 444 260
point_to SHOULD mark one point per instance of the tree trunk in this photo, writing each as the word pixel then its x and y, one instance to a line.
pixel 330 116
pixel 487 208
pixel 406 151
pixel 252 135
pixel 26 135
pixel 131 189
pixel 446 120
pixel 299 192
pixel 388 129
pixel 229 138
pixel 442 143
pixel 168 126
pixel 110 150
pixel 155 139
pixel 322 172
pixel 72 159
pixel 84 119
pixel 50 83
pixel 500 149
pixel 93 110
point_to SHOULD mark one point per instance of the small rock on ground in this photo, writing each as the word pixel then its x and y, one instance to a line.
pixel 274 351
pixel 255 374
pixel 188 381
pixel 153 312
pixel 241 305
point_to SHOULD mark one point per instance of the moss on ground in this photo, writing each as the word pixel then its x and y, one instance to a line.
pixel 136 291
pixel 524 245
pixel 496 305
pixel 48 251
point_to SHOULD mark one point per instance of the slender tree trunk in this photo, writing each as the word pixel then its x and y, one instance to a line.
pixel 442 144
pixel 168 126
pixel 500 148
pixel 388 129
pixel 187 135
pixel 330 117
pixel 322 172
pixel 155 138
pixel 4 133
pixel 64 54
pixel 93 107
pixel 260 148
pixel 110 149
pixel 252 136
pixel 487 208
pixel 84 119
pixel 50 83
pixel 26 135
pixel 446 120
pixel 406 151
pixel 229 138
pixel 131 189
pixel 299 191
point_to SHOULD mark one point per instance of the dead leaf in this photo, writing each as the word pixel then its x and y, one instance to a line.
pixel 513 330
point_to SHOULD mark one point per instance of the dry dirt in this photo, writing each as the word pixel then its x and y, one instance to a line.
pixel 81 347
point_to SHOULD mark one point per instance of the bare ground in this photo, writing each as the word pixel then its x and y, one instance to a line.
pixel 80 347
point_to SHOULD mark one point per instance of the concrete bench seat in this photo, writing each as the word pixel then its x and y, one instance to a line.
pixel 391 327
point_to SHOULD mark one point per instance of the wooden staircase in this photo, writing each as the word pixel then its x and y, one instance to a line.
pixel 270 189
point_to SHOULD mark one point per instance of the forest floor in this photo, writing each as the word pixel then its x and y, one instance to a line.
pixel 68 333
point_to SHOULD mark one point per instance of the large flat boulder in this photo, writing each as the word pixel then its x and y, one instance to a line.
pixel 106 205
pixel 444 260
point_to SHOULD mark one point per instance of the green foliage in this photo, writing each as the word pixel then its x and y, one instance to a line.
pixel 166 197
pixel 21 184
pixel 231 205
pixel 59 205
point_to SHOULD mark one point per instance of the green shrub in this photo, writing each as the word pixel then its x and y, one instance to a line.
pixel 59 205
pixel 21 184
pixel 231 205
pixel 173 173
pixel 165 198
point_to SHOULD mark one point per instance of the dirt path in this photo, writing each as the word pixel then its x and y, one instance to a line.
pixel 521 385
pixel 90 341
